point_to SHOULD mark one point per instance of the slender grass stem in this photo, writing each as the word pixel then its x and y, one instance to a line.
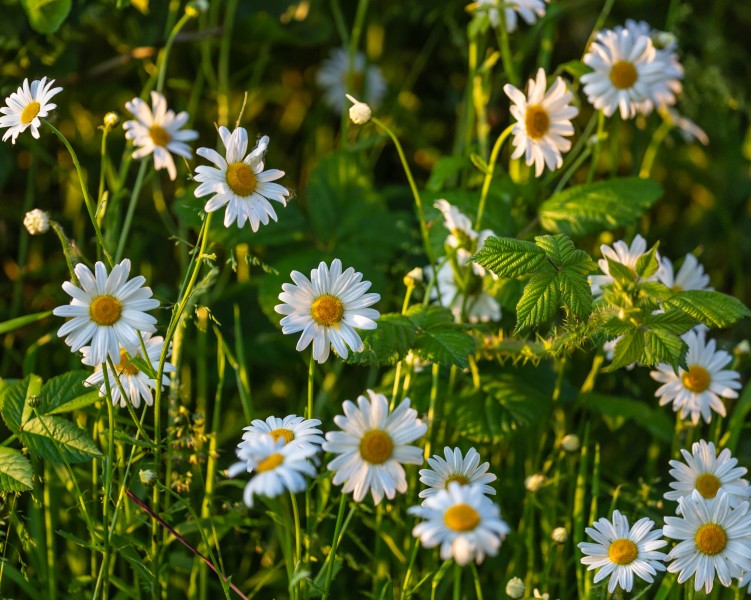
pixel 297 556
pixel 131 210
pixel 49 531
pixel 476 578
pixel 505 45
pixel 654 145
pixel 164 57
pixel 489 174
pixel 431 408
pixel 457 594
pixel 410 566
pixel 334 546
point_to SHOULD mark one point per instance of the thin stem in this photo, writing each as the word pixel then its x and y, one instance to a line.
pixel 600 137
pixel 489 174
pixel 102 169
pixel 654 145
pixel 457 582
pixel 107 478
pixel 298 537
pixel 503 42
pixel 49 531
pixel 165 52
pixel 311 381
pixel 476 577
pixel 131 209
pixel 431 407
pixel 408 575
pixel 334 546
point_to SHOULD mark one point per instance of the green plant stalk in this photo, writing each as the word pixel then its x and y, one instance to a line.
pixel 49 532
pixel 102 168
pixel 435 372
pixel 223 67
pixel 378 547
pixel 489 174
pixel 476 577
pixel 457 594
pixel 600 135
pixel 353 42
pixel 410 566
pixel 654 145
pixel 479 100
pixel 297 556
pixel 131 210
pixel 241 371
pixel 107 478
pixel 505 46
pixel 164 56
pixel 309 519
pixel 334 546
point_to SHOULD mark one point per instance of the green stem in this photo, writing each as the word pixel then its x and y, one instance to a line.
pixel 431 407
pixel 654 145
pixel 165 52
pixel 131 210
pixel 457 582
pixel 107 478
pixel 408 575
pixel 311 381
pixel 49 531
pixel 223 67
pixel 476 577
pixel 600 137
pixel 334 546
pixel 503 42
pixel 489 173
pixel 298 538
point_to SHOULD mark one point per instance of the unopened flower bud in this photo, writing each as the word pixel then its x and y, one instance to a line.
pixel 534 483
pixel 33 401
pixel 515 588
pixel 571 442
pixel 559 535
pixel 663 39
pixel 413 277
pixel 147 477
pixel 196 7
pixel 36 222
pixel 110 120
pixel 359 112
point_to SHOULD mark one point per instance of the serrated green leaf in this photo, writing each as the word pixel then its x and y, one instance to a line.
pixel 386 344
pixel 15 471
pixel 714 309
pixel 590 208
pixel 539 301
pixel 620 272
pixel 46 16
pixel 576 293
pixel 445 345
pixel 561 250
pixel 51 438
pixel 656 290
pixel 508 257
pixel 425 317
pixel 616 327
pixel 647 264
pixel 673 321
pixel 60 390
pixel 628 349
pixel 661 346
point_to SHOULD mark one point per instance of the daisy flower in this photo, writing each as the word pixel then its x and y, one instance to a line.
pixel 480 306
pixel 373 445
pixel 529 10
pixel 294 430
pixel 621 553
pixel 543 122
pixel 464 470
pixel 327 308
pixel 697 391
pixel 367 81
pixel 463 521
pixel 714 540
pixel 158 132
pixel 463 239
pixel 239 181
pixel 134 382
pixel 689 130
pixel 620 252
pixel 708 473
pixel 25 107
pixel 107 310
pixel 745 581
pixel 275 465
pixel 690 276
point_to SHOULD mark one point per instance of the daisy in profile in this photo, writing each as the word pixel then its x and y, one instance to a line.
pixel 543 122
pixel 239 182
pixel 690 276
pixel 327 308
pixel 276 467
pixel 25 108
pixel 107 311
pixel 696 392
pixel 158 131
pixel 372 445
pixel 135 383
pixel 293 430
pixel 708 473
pixel 464 470
pixel 529 10
pixel 367 81
pixel 715 541
pixel 621 252
pixel 463 239
pixel 480 306
pixel 621 552
pixel 463 522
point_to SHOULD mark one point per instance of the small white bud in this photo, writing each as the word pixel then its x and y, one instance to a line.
pixel 413 277
pixel 147 477
pixel 743 347
pixel 359 112
pixel 663 39
pixel 196 7
pixel 534 483
pixel 559 535
pixel 571 443
pixel 36 222
pixel 110 120
pixel 515 588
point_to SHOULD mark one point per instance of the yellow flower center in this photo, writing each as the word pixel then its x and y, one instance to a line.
pixel 126 366
pixel 623 552
pixel 241 179
pixel 623 74
pixel 105 310
pixel 536 121
pixel 460 479
pixel 159 136
pixel 710 539
pixel 282 434
pixel 696 379
pixel 376 447
pixel 461 517
pixel 271 462
pixel 327 310
pixel 30 112
pixel 677 288
pixel 707 485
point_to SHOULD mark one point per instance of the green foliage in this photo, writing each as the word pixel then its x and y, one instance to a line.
pixel 714 309
pixel 15 471
pixel 508 257
pixel 46 16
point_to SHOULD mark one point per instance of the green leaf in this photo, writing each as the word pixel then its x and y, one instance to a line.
pixel 425 317
pixel 590 208
pixel 673 321
pixel 661 346
pixel 445 345
pixel 576 293
pixel 17 323
pixel 619 410
pixel 444 169
pixel 61 390
pixel 620 272
pixel 386 344
pixel 14 407
pixel 15 471
pixel 629 349
pixel 539 301
pixel 51 438
pixel 561 250
pixel 714 309
pixel 647 264
pixel 76 403
pixel 508 257
pixel 46 16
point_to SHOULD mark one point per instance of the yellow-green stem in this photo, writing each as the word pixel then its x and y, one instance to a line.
pixel 489 174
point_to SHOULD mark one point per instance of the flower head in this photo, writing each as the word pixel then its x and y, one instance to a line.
pixel 479 305
pixel 293 430
pixel 543 122
pixel 334 79
pixel 464 470
pixel 515 588
pixel 359 112
pixel 327 308
pixel 620 252
pixel 36 222
pixel 529 10
pixel 534 483
pixel 690 276
pixel 559 535
pixel 239 181
pixel 373 444
pixel 158 131
pixel 26 107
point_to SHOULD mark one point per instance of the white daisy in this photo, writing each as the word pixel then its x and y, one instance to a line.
pixel 715 540
pixel 373 446
pixel 158 132
pixel 107 311
pixel 480 306
pixel 529 10
pixel 463 239
pixel 275 466
pixel 688 129
pixel 239 181
pixel 745 581
pixel 697 391
pixel 294 430
pixel 367 81
pixel 621 553
pixel 690 276
pixel 622 253
pixel 327 308
pixel 708 473
pixel 543 122
pixel 134 382
pixel 464 470
pixel 26 107
pixel 463 521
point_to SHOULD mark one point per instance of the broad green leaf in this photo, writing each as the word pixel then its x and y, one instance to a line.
pixel 673 321
pixel 661 346
pixel 508 257
pixel 46 16
pixel 629 349
pixel 540 300
pixel 647 264
pixel 576 293
pixel 562 251
pixel 711 308
pixel 620 272
pixel 51 438
pixel 387 343
pixel 15 471
pixel 14 407
pixel 425 317
pixel 444 169
pixel 17 323
pixel 61 390
pixel 445 345
pixel 76 403
pixel 590 208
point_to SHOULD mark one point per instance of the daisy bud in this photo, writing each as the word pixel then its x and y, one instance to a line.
pixel 196 7
pixel 359 112
pixel 663 39
pixel 534 483
pixel 559 535
pixel 36 222
pixel 147 477
pixel 743 347
pixel 571 443
pixel 515 588
pixel 413 277
pixel 33 401
pixel 111 119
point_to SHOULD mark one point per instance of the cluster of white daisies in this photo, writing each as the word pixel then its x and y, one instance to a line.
pixel 712 529
pixel 698 390
pixel 371 446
